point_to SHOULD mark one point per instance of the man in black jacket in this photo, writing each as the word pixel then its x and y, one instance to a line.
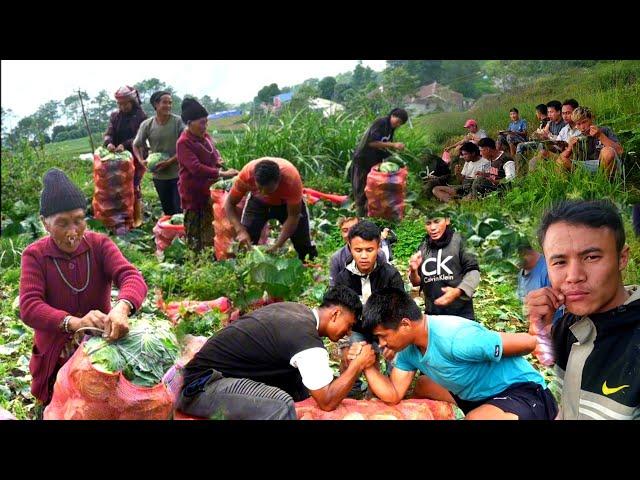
pixel 365 275
pixel 596 342
pixel 373 149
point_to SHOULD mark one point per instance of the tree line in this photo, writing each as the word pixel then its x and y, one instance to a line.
pixel 360 89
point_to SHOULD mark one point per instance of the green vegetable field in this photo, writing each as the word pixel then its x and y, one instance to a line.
pixel 321 149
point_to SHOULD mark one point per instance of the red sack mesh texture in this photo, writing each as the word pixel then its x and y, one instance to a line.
pixel 172 309
pixel 165 232
pixel 174 378
pixel 224 233
pixel 113 195
pixel 312 196
pixel 350 409
pixel 83 393
pixel 386 193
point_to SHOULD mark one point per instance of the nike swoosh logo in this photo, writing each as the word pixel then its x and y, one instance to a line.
pixel 608 391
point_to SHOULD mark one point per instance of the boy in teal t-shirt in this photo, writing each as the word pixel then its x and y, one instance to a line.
pixel 462 362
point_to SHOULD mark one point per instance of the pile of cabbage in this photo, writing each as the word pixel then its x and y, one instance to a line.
pixel 389 167
pixel 177 219
pixel 105 155
pixel 143 356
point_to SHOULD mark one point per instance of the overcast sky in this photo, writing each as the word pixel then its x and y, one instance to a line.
pixel 27 84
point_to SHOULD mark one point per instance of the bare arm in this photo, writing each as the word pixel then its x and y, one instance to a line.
pixel 329 397
pixel 389 390
pixel 517 344
pixel 384 145
pixel 230 204
pixel 290 224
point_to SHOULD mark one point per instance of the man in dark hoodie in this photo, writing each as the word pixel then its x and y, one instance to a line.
pixel 596 341
pixel 342 257
pixel 373 149
pixel 446 273
pixel 364 274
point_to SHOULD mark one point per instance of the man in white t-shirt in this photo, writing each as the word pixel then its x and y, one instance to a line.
pixel 502 169
pixel 473 165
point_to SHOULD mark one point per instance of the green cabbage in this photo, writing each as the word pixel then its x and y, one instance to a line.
pixel 122 156
pixel 143 356
pixel 389 167
pixel 154 159
pixel 101 152
pixel 177 219
pixel 105 356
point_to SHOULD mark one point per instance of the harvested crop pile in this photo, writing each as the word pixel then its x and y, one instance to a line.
pixel 113 196
pixel 386 192
pixel 167 229
pixel 117 381
pixel 350 409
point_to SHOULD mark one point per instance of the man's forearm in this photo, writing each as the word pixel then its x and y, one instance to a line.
pixel 381 145
pixel 339 388
pixel 517 344
pixel 232 215
pixel 381 386
pixel 288 229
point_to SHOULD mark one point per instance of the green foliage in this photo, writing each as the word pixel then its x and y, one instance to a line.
pixel 278 277
pixel 143 355
pixel 205 325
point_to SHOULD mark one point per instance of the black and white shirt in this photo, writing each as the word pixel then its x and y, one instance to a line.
pixel 277 345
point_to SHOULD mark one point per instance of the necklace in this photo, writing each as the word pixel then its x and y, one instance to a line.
pixel 76 290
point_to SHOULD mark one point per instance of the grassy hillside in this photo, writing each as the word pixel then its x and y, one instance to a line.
pixel 611 90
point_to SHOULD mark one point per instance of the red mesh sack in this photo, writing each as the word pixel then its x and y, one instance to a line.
pixel 165 232
pixel 312 196
pixel 350 409
pixel 174 378
pixel 386 193
pixel 113 195
pixel 224 233
pixel 172 309
pixel 83 393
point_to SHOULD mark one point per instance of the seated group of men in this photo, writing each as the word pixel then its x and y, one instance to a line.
pixel 566 135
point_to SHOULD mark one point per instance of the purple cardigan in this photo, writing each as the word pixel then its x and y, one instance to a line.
pixel 45 299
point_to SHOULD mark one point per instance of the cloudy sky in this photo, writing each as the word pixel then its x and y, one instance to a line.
pixel 27 84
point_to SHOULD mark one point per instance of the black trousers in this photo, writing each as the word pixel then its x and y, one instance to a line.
pixel 169 196
pixel 361 169
pixel 256 213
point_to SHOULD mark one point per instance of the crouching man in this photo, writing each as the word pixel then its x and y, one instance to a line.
pixel 257 367
pixel 462 362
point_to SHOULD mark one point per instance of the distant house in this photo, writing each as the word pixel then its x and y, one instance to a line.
pixel 435 98
pixel 327 106
pixel 281 99
pixel 224 114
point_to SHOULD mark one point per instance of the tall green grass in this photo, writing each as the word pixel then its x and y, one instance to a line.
pixel 316 145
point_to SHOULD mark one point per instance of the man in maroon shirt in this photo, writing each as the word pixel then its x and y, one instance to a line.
pixel 66 280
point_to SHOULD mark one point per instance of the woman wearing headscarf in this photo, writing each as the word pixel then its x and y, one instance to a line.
pixel 200 166
pixel 123 127
pixel 162 132
pixel 66 280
